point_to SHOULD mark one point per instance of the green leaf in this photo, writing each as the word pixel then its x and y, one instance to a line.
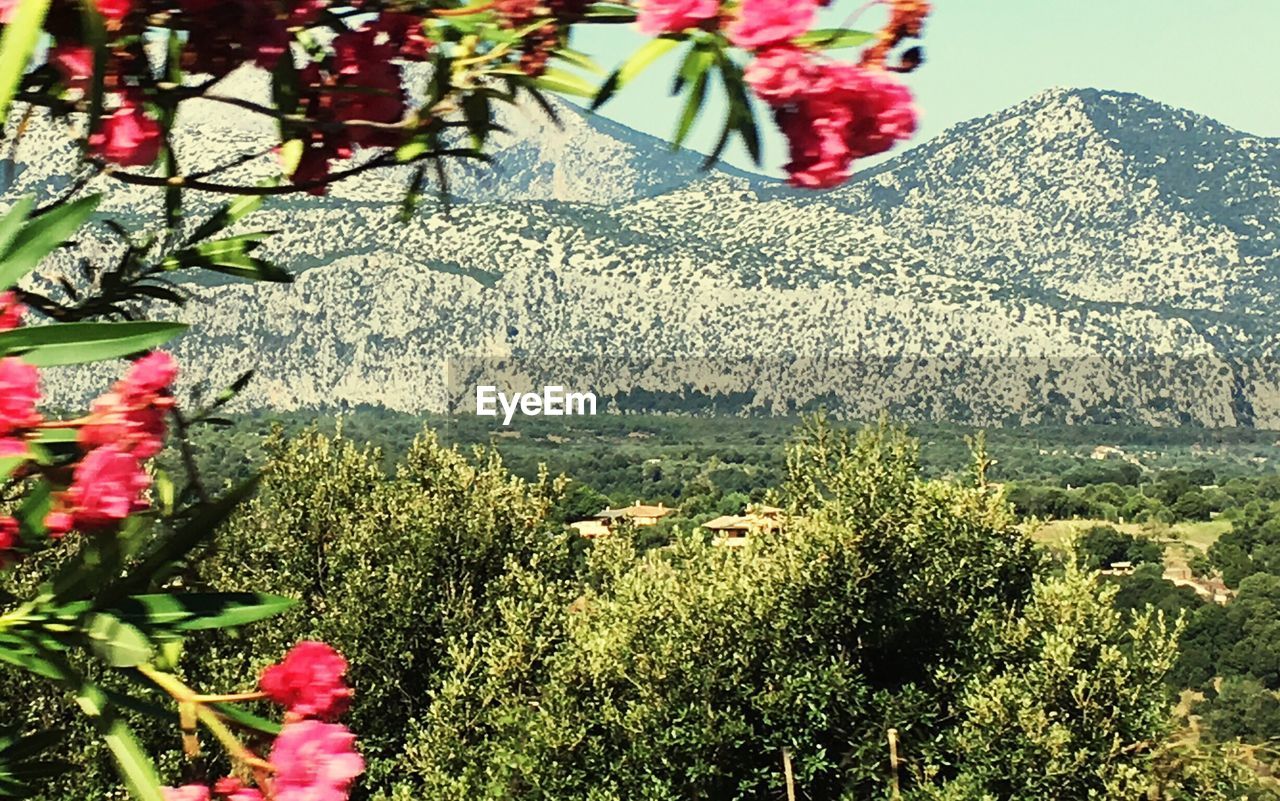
pixel 249 720
pixel 478 116
pixel 20 652
pixel 78 343
pixel 57 436
pixel 21 35
pixel 14 220
pixel 231 256
pixel 116 642
pixel 100 560
pixel 695 69
pixel 650 52
pixel 20 765
pixel 8 464
pixel 609 13
pixel 199 611
pixel 226 216
pixel 42 236
pixel 133 764
pixel 579 59
pixel 413 195
pixel 565 83
pixel 834 38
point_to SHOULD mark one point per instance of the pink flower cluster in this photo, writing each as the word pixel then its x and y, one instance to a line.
pixel 672 16
pixel 361 87
pixel 309 682
pixel 124 428
pixel 832 113
pixel 358 82
pixel 311 759
pixel 759 23
pixel 129 136
pixel 11 311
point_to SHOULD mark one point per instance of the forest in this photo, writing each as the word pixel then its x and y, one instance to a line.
pixel 496 655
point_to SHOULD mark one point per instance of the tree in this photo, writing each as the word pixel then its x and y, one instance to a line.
pixel 1100 547
pixel 1243 709
pixel 1071 703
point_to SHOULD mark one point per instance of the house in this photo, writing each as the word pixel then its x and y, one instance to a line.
pixel 733 531
pixel 638 514
pixel 591 529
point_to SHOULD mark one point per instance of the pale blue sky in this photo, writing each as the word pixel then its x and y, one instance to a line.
pixel 1217 57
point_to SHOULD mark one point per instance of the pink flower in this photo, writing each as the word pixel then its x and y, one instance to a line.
pixel 884 112
pixel 152 374
pixel 314 761
pixel 74 62
pixel 11 311
pixel 9 541
pixel 59 524
pixel 673 16
pixel 313 166
pixel 405 32
pixel 370 86
pixel 232 789
pixel 132 415
pixel 12 446
pixel 781 74
pixel 106 488
pixel 309 681
pixel 128 137
pixel 187 792
pixel 853 113
pixel 114 10
pixel 820 153
pixel 768 22
pixel 7 9
pixel 19 393
pixel 138 427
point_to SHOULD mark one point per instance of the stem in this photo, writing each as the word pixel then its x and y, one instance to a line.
pixel 384 160
pixel 188 455
pixel 211 719
pixel 231 698
pixel 214 723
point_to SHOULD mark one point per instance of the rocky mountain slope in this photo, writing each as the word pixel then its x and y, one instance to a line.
pixel 1084 255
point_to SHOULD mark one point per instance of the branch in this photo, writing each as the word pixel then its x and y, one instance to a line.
pixel 189 182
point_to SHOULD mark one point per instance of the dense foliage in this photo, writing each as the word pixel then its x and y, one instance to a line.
pixel 494 656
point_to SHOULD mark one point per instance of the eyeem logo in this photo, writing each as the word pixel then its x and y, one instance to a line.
pixel 551 402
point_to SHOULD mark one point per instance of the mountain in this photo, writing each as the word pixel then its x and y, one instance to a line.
pixel 574 157
pixel 1083 256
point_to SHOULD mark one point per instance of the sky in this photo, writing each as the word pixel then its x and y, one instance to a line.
pixel 1220 58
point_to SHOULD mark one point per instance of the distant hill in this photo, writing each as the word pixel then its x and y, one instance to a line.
pixel 1083 256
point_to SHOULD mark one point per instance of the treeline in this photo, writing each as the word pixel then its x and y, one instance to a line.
pixel 675 459
pixel 1125 492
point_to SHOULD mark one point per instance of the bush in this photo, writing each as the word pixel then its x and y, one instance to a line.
pixel 386 567
pixel 1099 547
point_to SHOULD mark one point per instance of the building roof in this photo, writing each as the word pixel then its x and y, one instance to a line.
pixel 752 522
pixel 636 510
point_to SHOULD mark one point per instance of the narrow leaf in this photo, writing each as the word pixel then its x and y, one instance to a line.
pixel 41 236
pixel 79 343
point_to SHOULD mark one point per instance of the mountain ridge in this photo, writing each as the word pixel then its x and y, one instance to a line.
pixel 1065 259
